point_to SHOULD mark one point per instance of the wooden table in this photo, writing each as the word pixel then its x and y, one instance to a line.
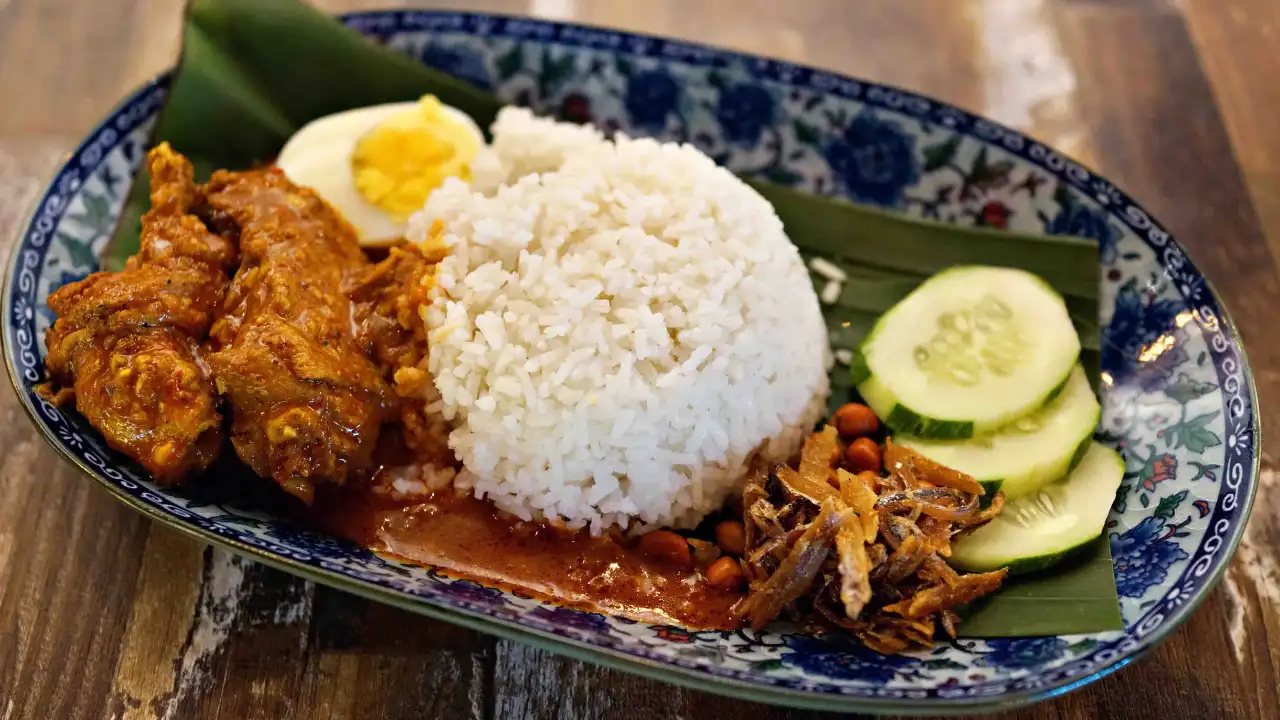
pixel 106 615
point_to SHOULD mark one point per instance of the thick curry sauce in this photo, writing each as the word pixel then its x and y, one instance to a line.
pixel 468 538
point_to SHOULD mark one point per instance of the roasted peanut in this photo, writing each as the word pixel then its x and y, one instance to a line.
pixel 725 574
pixel 862 454
pixel 668 547
pixel 731 538
pixel 855 420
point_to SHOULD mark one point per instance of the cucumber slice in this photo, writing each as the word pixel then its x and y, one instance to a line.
pixel 1029 453
pixel 970 350
pixel 1043 528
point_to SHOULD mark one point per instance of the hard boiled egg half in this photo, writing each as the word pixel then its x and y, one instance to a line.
pixel 377 165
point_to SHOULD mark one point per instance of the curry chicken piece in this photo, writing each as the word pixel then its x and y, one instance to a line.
pixel 126 345
pixel 391 330
pixel 387 298
pixel 306 402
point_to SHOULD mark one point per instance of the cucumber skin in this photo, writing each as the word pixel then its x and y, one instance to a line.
pixel 905 420
pixel 991 487
pixel 859 370
pixel 1054 393
pixel 1076 457
pixel 1026 566
pixel 902 419
pixel 1082 450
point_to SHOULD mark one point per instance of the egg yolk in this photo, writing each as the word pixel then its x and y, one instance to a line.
pixel 401 160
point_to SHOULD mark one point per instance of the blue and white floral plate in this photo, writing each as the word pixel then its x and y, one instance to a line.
pixel 1179 398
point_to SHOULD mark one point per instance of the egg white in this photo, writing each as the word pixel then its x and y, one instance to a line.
pixel 319 157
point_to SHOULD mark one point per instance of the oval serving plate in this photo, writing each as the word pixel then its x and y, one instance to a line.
pixel 1178 396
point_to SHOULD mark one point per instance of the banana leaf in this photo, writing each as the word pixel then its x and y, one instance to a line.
pixel 252 72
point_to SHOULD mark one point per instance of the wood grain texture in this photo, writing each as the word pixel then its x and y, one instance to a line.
pixel 103 615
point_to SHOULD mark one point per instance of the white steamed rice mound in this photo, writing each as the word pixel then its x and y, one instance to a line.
pixel 616 339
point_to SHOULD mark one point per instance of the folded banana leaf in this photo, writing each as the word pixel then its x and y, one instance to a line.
pixel 252 72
